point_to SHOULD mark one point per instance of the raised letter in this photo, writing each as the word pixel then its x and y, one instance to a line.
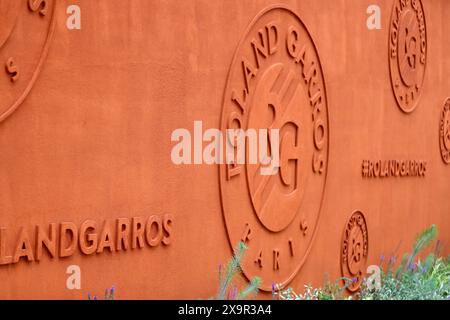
pixel 64 249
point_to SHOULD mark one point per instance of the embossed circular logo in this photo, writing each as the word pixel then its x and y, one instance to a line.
pixel 407 52
pixel 22 59
pixel 355 247
pixel 276 82
pixel 444 132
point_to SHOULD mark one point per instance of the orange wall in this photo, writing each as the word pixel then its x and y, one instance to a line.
pixel 91 140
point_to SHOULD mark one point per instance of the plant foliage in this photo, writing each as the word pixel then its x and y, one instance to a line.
pixel 414 279
pixel 227 291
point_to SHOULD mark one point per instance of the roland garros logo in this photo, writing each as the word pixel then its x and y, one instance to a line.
pixel 444 132
pixel 407 52
pixel 276 83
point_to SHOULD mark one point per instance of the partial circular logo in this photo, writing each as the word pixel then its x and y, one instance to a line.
pixel 276 82
pixel 355 247
pixel 407 52
pixel 22 57
pixel 444 132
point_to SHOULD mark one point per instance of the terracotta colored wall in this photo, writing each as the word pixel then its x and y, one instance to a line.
pixel 91 141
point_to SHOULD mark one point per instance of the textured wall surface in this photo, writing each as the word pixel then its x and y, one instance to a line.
pixel 86 176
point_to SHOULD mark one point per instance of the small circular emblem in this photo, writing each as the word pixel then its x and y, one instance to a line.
pixel 355 247
pixel 276 82
pixel 444 132
pixel 407 52
pixel 22 59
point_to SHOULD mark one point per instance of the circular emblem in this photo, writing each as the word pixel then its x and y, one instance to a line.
pixel 355 247
pixel 22 57
pixel 407 52
pixel 276 82
pixel 444 132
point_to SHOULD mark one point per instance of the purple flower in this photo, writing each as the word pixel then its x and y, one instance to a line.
pixel 391 260
pixel 273 290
